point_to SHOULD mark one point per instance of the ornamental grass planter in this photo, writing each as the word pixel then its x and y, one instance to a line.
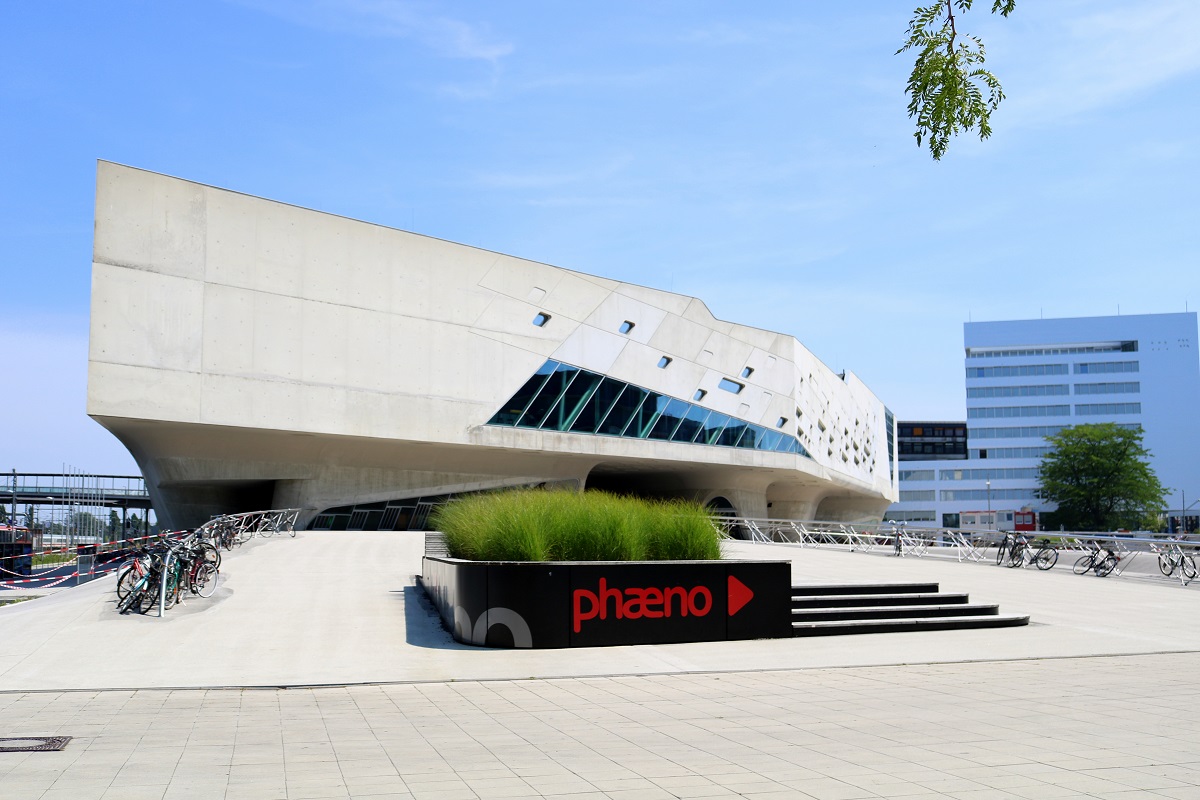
pixel 551 604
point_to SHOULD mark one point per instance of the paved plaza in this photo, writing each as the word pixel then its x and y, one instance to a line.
pixel 1095 698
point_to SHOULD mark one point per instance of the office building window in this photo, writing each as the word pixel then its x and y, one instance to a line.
pixel 1010 452
pixel 1019 411
pixel 1091 409
pixel 1103 367
pixel 1128 387
pixel 1018 391
pixel 916 474
pixel 1023 371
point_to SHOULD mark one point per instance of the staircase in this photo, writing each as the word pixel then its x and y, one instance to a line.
pixel 889 608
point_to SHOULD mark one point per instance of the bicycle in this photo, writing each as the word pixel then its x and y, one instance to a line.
pixel 1005 546
pixel 1022 553
pixel 1102 560
pixel 1173 560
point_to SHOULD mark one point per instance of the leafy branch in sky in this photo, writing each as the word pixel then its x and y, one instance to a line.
pixel 946 87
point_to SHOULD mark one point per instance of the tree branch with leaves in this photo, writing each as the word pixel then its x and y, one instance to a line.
pixel 947 86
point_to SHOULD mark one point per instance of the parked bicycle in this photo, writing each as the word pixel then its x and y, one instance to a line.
pixel 1045 557
pixel 1172 560
pixel 1004 549
pixel 1101 560
pixel 165 571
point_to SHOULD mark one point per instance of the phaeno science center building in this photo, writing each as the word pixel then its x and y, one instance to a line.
pixel 251 354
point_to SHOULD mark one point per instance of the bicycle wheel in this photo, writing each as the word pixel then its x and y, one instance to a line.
pixel 1017 557
pixel 208 552
pixel 126 579
pixel 1188 563
pixel 1105 566
pixel 1083 564
pixel 1047 557
pixel 1166 564
pixel 1000 554
pixel 204 582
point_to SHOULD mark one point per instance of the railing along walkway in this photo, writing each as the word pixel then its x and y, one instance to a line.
pixel 898 539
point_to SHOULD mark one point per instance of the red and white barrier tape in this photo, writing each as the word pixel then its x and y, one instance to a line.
pixel 57 579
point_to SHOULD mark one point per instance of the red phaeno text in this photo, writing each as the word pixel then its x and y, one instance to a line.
pixel 636 603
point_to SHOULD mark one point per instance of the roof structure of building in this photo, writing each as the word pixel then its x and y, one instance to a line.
pixel 252 354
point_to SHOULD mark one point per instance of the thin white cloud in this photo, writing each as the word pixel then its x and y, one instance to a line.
pixel 400 19
pixel 1099 59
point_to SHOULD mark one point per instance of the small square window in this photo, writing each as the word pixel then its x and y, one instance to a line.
pixel 662 362
pixel 541 319
pixel 699 395
pixel 626 327
pixel 731 386
pixel 747 372
pixel 781 422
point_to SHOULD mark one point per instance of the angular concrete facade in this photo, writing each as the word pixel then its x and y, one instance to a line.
pixel 253 354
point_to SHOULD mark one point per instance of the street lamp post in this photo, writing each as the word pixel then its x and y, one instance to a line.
pixel 991 521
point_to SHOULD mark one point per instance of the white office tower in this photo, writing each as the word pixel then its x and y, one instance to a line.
pixel 1029 379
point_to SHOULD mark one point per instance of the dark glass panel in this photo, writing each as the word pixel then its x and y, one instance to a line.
pixel 769 440
pixel 573 399
pixel 733 431
pixel 622 410
pixel 691 424
pixel 711 432
pixel 749 440
pixel 537 409
pixel 645 417
pixel 670 419
pixel 511 412
pixel 596 406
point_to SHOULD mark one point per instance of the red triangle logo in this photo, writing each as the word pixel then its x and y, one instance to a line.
pixel 739 595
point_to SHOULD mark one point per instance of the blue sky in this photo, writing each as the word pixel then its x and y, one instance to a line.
pixel 758 156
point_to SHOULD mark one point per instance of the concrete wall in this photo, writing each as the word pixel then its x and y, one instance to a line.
pixel 365 361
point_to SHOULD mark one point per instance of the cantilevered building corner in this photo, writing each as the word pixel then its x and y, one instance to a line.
pixel 252 354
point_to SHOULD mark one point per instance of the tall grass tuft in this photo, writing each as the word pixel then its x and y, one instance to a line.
pixel 559 525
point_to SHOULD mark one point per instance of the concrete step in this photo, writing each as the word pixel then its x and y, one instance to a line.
pixel 865 588
pixel 894 612
pixel 845 627
pixel 858 600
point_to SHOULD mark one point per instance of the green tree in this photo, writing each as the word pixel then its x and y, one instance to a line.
pixel 946 87
pixel 1100 478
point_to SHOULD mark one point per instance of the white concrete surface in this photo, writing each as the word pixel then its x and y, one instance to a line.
pixel 341 608
pixel 216 314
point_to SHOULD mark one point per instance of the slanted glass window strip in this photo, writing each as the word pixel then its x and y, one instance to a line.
pixel 622 410
pixel 568 407
pixel 669 420
pixel 596 406
pixel 516 406
pixel 714 425
pixel 646 415
pixel 732 433
pixel 541 405
pixel 561 397
pixel 691 424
